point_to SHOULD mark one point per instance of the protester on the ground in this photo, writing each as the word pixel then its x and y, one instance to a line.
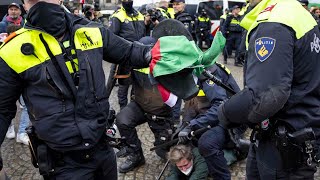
pixel 186 164
pixel 201 112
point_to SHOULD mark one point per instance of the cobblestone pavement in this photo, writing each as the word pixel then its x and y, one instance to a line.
pixel 17 157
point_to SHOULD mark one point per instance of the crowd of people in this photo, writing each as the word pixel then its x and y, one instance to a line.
pixel 56 75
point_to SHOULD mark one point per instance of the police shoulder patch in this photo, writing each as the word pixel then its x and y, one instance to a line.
pixel 264 47
pixel 210 83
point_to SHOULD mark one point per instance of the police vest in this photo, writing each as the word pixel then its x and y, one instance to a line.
pixel 132 26
pixel 235 25
pixel 203 22
pixel 203 19
pixel 122 15
pixel 223 17
pixel 277 11
pixel 63 116
pixel 40 56
pixel 171 12
pixel 164 13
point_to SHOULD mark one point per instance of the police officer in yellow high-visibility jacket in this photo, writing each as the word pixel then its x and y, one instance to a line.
pixel 203 27
pixel 282 90
pixel 56 65
pixel 128 23
pixel 233 31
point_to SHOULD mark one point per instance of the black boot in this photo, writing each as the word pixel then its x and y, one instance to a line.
pixel 133 160
pixel 124 151
pixel 238 64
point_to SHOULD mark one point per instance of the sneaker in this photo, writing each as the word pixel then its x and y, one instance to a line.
pixel 11 133
pixel 23 138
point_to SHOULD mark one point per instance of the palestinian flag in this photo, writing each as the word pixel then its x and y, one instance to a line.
pixel 175 63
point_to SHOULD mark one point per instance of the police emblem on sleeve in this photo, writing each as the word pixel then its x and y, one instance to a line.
pixel 210 83
pixel 264 47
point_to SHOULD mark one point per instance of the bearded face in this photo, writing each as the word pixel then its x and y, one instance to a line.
pixel 14 12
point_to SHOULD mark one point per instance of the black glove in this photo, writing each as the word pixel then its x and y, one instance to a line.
pixel 184 135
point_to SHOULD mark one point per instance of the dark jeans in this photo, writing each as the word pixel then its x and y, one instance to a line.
pixel 101 165
pixel 211 145
pixel 264 163
pixel 131 116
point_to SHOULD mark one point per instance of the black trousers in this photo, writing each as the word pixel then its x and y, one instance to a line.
pixel 264 163
pixel 131 116
pixel 205 37
pixel 96 164
pixel 233 42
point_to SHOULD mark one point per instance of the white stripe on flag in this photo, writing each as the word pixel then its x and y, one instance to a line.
pixel 172 100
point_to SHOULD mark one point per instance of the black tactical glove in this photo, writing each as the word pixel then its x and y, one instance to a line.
pixel 184 135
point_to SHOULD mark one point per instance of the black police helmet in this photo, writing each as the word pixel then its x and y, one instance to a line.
pixel 171 27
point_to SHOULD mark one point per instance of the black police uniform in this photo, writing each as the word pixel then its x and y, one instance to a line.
pixel 186 19
pixel 282 84
pixel 232 27
pixel 203 27
pixel 204 112
pixel 130 26
pixel 69 113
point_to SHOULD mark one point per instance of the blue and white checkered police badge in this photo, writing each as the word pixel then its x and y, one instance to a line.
pixel 264 47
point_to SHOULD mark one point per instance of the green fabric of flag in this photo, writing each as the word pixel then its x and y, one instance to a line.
pixel 172 54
